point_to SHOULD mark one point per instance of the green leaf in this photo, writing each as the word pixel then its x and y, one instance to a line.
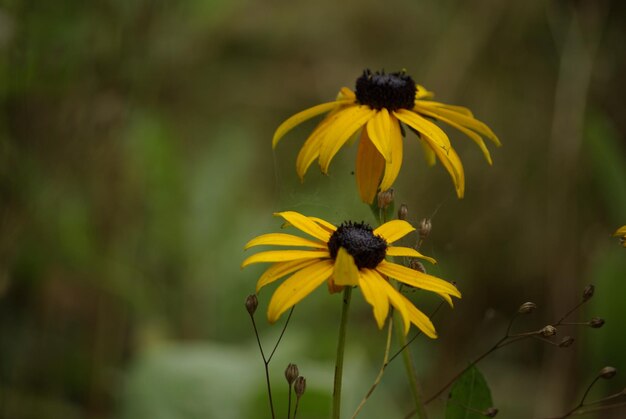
pixel 469 396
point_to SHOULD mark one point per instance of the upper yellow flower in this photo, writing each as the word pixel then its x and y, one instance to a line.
pixel 352 254
pixel 380 103
pixel 621 233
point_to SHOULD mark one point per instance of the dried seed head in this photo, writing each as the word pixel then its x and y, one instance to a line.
pixel 416 265
pixel 491 412
pixel 424 228
pixel 300 386
pixel 596 322
pixel 385 198
pixel 607 373
pixel 403 212
pixel 567 341
pixel 527 308
pixel 588 292
pixel 548 331
pixel 291 373
pixel 252 302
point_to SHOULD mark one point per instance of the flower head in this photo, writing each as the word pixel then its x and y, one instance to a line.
pixel 379 105
pixel 352 254
pixel 621 233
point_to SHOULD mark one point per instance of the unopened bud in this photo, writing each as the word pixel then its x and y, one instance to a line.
pixel 548 331
pixel 588 292
pixel 252 302
pixel 291 373
pixel 596 322
pixel 491 412
pixel 566 342
pixel 416 265
pixel 527 307
pixel 403 212
pixel 385 198
pixel 424 228
pixel 607 373
pixel 300 386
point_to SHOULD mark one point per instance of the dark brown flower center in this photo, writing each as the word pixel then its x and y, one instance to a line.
pixel 379 90
pixel 367 249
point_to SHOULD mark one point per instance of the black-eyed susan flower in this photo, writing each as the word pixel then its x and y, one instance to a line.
pixel 621 233
pixel 380 103
pixel 352 254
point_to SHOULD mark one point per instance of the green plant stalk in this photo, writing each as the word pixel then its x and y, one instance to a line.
pixel 416 389
pixel 341 344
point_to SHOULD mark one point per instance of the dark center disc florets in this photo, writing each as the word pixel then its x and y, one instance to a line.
pixel 367 249
pixel 379 90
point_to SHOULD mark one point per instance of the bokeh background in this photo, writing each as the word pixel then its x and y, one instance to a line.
pixel 135 162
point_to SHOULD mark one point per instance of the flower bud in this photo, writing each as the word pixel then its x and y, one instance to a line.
pixel 588 292
pixel 300 386
pixel 252 302
pixel 385 198
pixel 424 228
pixel 548 331
pixel 566 342
pixel 490 412
pixel 291 373
pixel 596 322
pixel 527 308
pixel 403 212
pixel 607 373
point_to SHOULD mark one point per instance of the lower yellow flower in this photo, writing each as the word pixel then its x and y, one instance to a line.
pixel 352 254
pixel 621 233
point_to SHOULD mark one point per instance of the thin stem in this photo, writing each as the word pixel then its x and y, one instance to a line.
pixel 416 389
pixel 379 377
pixel 418 334
pixel 289 404
pixel 295 410
pixel 282 332
pixel 265 364
pixel 341 343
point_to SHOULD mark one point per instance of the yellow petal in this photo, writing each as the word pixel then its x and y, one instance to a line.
pixel 369 282
pixel 393 230
pixel 379 131
pixel 346 93
pixel 281 239
pixel 429 154
pixel 284 255
pixel 300 117
pixel 424 127
pixel 324 224
pixel 408 252
pixel 305 224
pixel 417 279
pixel 398 302
pixel 369 168
pixel 348 122
pixel 392 168
pixel 450 160
pixel 345 271
pixel 620 231
pixel 475 137
pixel 419 319
pixel 459 118
pixel 454 108
pixel 280 269
pixel 422 93
pixel 298 286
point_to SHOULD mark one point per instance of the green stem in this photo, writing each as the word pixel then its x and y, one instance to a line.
pixel 416 389
pixel 341 344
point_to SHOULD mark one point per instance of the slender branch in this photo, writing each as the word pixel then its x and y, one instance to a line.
pixel 380 373
pixel 341 343
pixel 289 403
pixel 416 389
pixel 282 332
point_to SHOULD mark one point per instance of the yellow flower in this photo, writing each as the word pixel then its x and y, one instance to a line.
pixel 379 104
pixel 352 254
pixel 621 233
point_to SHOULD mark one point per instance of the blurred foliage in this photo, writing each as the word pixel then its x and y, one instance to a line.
pixel 135 162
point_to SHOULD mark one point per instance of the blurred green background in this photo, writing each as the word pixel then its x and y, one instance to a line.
pixel 135 162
